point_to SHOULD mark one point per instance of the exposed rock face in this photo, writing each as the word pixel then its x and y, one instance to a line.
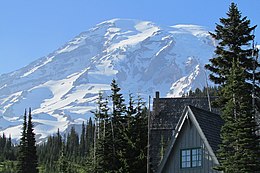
pixel 62 87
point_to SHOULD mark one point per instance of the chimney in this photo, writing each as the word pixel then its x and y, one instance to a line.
pixel 157 95
pixel 156 102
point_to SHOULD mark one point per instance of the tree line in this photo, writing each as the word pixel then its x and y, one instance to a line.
pixel 6 148
pixel 68 153
pixel 115 140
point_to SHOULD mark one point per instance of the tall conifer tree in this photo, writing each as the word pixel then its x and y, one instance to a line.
pixel 72 147
pixel 89 135
pixel 104 141
pixel 232 69
pixel 135 137
pixel 117 122
pixel 234 35
pixel 239 151
pixel 27 156
pixel 22 155
pixel 82 144
pixel 32 159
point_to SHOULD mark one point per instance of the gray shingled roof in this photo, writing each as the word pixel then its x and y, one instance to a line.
pixel 210 123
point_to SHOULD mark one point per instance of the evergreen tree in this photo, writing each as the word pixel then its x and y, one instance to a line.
pixel 2 142
pixel 9 149
pixel 52 159
pixel 90 146
pixel 6 148
pixel 234 35
pixel 27 156
pixel 82 145
pixel 118 123
pixel 232 69
pixel 72 147
pixel 22 154
pixel 32 158
pixel 63 162
pixel 135 147
pixel 211 91
pixel 239 151
pixel 109 138
pixel 89 135
pixel 122 142
pixel 104 144
pixel 49 153
pixel 90 165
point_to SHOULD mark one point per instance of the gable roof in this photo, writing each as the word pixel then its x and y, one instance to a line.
pixel 208 125
pixel 211 124
pixel 163 120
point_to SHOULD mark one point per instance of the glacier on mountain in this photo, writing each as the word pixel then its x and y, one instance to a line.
pixel 143 57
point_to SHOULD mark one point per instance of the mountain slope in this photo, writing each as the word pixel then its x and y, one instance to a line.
pixel 62 87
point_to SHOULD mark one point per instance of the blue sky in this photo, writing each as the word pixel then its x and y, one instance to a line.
pixel 31 29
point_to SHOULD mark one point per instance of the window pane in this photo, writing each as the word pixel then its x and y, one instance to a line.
pixel 185 158
pixel 196 157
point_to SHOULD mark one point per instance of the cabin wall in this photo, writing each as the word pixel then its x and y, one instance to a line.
pixel 188 138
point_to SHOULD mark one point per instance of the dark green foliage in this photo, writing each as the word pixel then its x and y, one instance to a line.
pixel 68 154
pixel 32 158
pixel 232 69
pixel 49 153
pixel 8 155
pixel 7 149
pixel 72 146
pixel 135 137
pixel 8 167
pixel 63 162
pixel 239 151
pixel 116 142
pixel 27 156
pixel 89 135
pixel 118 105
pixel 103 151
pixel 120 136
pixel 212 91
pixel 22 154
pixel 82 145
pixel 118 123
pixel 234 36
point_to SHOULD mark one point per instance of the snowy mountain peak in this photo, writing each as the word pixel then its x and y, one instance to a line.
pixel 61 88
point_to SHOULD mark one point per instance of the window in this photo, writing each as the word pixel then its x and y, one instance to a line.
pixel 196 157
pixel 185 159
pixel 191 158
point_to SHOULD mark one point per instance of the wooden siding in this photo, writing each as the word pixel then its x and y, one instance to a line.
pixel 188 138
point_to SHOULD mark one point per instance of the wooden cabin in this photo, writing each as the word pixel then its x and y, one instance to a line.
pixel 193 146
pixel 164 118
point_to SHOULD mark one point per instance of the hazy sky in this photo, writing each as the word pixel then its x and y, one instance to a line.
pixel 31 29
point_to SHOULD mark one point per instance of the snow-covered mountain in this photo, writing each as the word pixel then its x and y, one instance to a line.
pixel 143 57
